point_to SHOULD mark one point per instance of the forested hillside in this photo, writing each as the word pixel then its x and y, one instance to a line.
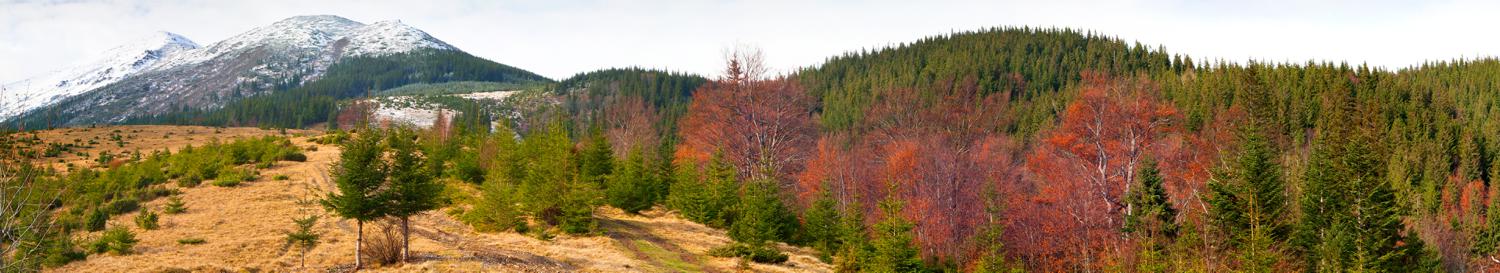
pixel 636 108
pixel 1072 151
pixel 1031 66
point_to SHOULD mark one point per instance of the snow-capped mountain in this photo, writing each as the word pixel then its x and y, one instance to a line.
pixel 114 65
pixel 289 52
pixel 319 33
pixel 386 37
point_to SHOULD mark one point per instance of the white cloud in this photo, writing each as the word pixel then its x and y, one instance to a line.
pixel 559 39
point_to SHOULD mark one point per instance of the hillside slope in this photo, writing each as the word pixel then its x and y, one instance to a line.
pixel 243 229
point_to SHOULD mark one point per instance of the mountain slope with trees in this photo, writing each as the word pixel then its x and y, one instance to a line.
pixel 997 150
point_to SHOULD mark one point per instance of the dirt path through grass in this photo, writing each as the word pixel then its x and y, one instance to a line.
pixel 646 246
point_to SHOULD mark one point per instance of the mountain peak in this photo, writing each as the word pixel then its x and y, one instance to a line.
pixel 388 37
pixel 322 18
pixel 172 38
pixel 115 64
pixel 163 41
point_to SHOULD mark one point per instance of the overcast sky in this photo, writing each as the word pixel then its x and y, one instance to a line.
pixel 560 38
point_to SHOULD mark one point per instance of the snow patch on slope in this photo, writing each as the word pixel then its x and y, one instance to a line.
pixel 115 64
pixel 492 95
pixel 387 37
pixel 318 33
pixel 415 111
pixel 406 110
pixel 300 32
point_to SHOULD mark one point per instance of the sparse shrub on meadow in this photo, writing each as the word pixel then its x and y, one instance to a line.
pixel 175 206
pixel 118 240
pixel 147 220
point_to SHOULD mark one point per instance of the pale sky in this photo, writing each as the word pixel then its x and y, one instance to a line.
pixel 561 38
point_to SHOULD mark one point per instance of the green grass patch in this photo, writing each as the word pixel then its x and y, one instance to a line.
pixel 670 259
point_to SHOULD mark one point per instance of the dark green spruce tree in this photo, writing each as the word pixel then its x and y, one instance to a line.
pixel 820 225
pixel 856 250
pixel 1247 199
pixel 1487 238
pixel 1150 218
pixel 892 247
pixel 359 175
pixel 1351 218
pixel 762 217
pixel 596 161
pixel 1248 204
pixel 411 190
pixel 707 197
pixel 631 188
pixel 497 207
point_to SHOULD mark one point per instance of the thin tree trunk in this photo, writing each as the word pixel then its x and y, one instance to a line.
pixel 405 238
pixel 359 241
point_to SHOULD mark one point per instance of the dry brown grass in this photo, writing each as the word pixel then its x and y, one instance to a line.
pixel 144 138
pixel 243 229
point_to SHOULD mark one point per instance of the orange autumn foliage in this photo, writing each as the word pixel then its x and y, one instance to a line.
pixel 764 127
pixel 942 151
pixel 1082 169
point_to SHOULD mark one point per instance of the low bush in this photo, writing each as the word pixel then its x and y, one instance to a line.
pixel 332 139
pixel 61 251
pixel 96 220
pixel 383 245
pixel 190 241
pixel 761 254
pixel 291 155
pixel 175 206
pixel 189 181
pixel 249 175
pixel 122 206
pixel 496 208
pixel 224 182
pixel 118 240
pixel 152 193
pixel 233 178
pixel 147 220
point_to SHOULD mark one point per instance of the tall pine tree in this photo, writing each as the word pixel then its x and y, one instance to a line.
pixel 632 187
pixel 1351 219
pixel 892 248
pixel 359 175
pixel 1151 218
pixel 820 224
pixel 1247 203
pixel 411 190
pixel 596 162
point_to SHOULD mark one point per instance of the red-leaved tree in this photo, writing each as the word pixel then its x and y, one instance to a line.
pixel 1082 170
pixel 943 150
pixel 764 127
